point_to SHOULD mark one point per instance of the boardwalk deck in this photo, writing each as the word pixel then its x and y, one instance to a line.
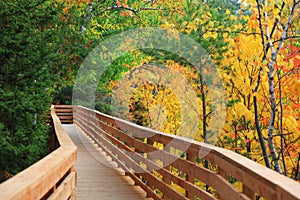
pixel 97 177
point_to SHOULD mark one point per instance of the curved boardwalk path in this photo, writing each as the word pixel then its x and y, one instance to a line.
pixel 97 177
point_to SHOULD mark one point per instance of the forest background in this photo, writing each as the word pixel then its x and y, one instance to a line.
pixel 254 45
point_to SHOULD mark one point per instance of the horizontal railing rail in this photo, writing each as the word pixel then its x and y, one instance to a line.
pixel 174 167
pixel 64 113
pixel 53 177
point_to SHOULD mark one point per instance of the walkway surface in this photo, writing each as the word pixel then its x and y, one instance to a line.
pixel 97 177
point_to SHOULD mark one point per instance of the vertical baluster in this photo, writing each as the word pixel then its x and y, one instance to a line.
pixel 190 176
pixel 73 195
pixel 247 191
pixel 166 179
pixel 223 174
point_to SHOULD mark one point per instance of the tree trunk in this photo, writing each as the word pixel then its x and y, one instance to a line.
pixel 271 145
pixel 204 119
pixel 257 123
pixel 259 133
pixel 269 44
pixel 282 139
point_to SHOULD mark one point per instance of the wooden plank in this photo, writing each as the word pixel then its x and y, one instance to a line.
pixel 253 181
pixel 254 177
pixel 182 164
pixel 117 133
pixel 65 189
pixel 97 178
pixel 130 163
pixel 35 181
pixel 247 191
pixel 121 164
pixel 155 182
pixel 137 157
pixel 62 117
pixel 225 189
pixel 66 120
pixel 64 110
pixel 150 192
pixel 194 190
pixel 167 176
pixel 63 106
pixel 64 114
pixel 190 178
pixel 38 179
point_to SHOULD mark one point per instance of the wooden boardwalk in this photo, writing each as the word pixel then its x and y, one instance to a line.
pixel 97 177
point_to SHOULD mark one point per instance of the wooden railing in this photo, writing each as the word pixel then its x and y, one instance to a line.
pixel 64 113
pixel 171 167
pixel 53 177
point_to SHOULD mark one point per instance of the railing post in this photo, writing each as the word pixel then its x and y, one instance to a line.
pixel 223 174
pixel 247 191
pixel 228 164
pixel 73 195
pixel 166 179
pixel 190 177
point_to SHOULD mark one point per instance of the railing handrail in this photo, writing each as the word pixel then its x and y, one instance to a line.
pixel 42 179
pixel 255 178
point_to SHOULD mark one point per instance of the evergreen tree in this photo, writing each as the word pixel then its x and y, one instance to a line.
pixel 30 36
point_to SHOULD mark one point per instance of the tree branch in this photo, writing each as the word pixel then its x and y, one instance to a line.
pixel 286 38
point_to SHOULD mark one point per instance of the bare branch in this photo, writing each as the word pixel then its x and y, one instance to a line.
pixel 289 72
pixel 288 24
pixel 286 38
pixel 261 33
pixel 277 19
pixel 255 104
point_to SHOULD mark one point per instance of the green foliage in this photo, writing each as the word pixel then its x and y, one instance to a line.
pixel 32 35
pixel 115 73
pixel 64 97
